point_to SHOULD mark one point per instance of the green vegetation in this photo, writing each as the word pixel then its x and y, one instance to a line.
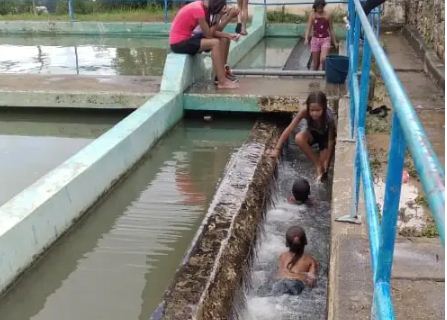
pixel 282 16
pixel 430 231
pixel 421 201
pixel 88 11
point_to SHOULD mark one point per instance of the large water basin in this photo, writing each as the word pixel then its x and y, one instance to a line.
pixel 83 55
pixel 32 143
pixel 118 260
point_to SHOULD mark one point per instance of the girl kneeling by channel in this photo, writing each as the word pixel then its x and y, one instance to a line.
pixel 211 16
pixel 319 129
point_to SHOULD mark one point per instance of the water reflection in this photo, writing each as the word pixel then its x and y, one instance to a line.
pixel 85 59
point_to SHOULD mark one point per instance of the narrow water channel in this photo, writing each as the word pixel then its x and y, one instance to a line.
pixel 260 304
pixel 118 260
pixel 34 142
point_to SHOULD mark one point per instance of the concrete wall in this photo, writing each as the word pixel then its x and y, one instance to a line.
pixel 428 18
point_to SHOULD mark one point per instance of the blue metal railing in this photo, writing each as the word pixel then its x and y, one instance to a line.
pixel 406 132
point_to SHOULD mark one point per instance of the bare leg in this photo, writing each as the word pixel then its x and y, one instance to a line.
pixel 217 57
pixel 303 140
pixel 225 45
pixel 244 17
pixel 315 60
pixel 323 55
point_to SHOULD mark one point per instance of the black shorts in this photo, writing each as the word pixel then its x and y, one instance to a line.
pixel 190 46
pixel 320 139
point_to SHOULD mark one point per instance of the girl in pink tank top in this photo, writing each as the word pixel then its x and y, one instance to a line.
pixel 319 34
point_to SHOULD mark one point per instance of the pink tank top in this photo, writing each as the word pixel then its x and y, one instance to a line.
pixel 321 27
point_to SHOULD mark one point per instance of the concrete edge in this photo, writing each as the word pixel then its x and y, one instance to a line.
pixel 96 100
pixel 145 29
pixel 287 30
pixel 433 66
pixel 204 284
pixel 31 221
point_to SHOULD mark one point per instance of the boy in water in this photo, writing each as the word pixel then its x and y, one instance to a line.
pixel 296 269
pixel 300 191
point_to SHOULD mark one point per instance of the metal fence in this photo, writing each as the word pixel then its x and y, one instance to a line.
pixel 406 132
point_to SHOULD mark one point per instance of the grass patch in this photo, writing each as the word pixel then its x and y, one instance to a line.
pixel 150 14
pixel 280 16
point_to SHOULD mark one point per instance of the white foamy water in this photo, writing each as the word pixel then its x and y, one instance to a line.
pixel 315 219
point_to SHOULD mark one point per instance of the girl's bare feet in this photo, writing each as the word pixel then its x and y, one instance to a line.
pixel 227 84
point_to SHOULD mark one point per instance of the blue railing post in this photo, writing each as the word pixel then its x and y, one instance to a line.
pixel 71 10
pixel 165 11
pixel 364 85
pixel 396 157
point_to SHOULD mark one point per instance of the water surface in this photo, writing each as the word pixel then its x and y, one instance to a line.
pixel 119 259
pixel 83 55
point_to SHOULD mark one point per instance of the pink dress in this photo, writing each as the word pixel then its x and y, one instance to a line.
pixel 321 37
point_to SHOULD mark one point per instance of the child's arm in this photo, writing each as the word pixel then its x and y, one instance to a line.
pixel 285 134
pixel 206 29
pixel 332 31
pixel 313 272
pixel 331 145
pixel 309 28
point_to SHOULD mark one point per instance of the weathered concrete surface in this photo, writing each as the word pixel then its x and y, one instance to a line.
pixel 394 12
pixel 428 19
pixel 76 91
pixel 433 66
pixel 204 285
pixel 258 94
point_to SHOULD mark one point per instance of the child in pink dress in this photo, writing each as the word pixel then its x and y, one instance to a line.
pixel 320 26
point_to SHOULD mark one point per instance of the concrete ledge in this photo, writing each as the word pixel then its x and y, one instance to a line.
pixel 134 29
pixel 32 220
pixel 204 285
pixel 432 64
pixel 100 100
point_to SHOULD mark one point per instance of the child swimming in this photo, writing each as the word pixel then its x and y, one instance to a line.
pixel 319 129
pixel 296 269
pixel 300 191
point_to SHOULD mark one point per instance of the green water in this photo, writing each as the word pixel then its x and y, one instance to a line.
pixel 83 55
pixel 119 259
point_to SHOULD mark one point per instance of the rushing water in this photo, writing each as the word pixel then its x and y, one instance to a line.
pixel 83 55
pixel 32 143
pixel 260 304
pixel 118 260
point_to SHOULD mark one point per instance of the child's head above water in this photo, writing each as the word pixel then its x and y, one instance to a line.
pixel 300 190
pixel 296 241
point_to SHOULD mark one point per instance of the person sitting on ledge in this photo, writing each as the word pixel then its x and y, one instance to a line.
pixel 211 16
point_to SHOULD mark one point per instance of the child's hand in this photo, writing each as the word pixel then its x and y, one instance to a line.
pixel 235 36
pixel 306 42
pixel 310 279
pixel 274 153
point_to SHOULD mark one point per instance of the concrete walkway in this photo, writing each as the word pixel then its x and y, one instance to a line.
pixel 76 91
pixel 418 269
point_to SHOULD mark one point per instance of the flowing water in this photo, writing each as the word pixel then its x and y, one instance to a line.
pixel 83 55
pixel 118 260
pixel 32 143
pixel 314 217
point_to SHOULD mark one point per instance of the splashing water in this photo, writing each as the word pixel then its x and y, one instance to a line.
pixel 315 219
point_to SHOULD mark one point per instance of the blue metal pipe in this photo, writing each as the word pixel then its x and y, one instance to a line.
pixel 426 162
pixel 70 10
pixel 364 85
pixel 396 157
pixel 370 201
pixel 382 302
pixel 165 11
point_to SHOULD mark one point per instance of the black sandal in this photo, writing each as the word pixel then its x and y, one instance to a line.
pixel 238 28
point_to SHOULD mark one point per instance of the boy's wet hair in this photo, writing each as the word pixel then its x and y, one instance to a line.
pixel 318 3
pixel 301 189
pixel 296 241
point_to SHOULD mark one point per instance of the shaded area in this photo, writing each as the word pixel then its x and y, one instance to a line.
pixel 83 55
pixel 117 261
pixel 315 219
pixel 31 143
